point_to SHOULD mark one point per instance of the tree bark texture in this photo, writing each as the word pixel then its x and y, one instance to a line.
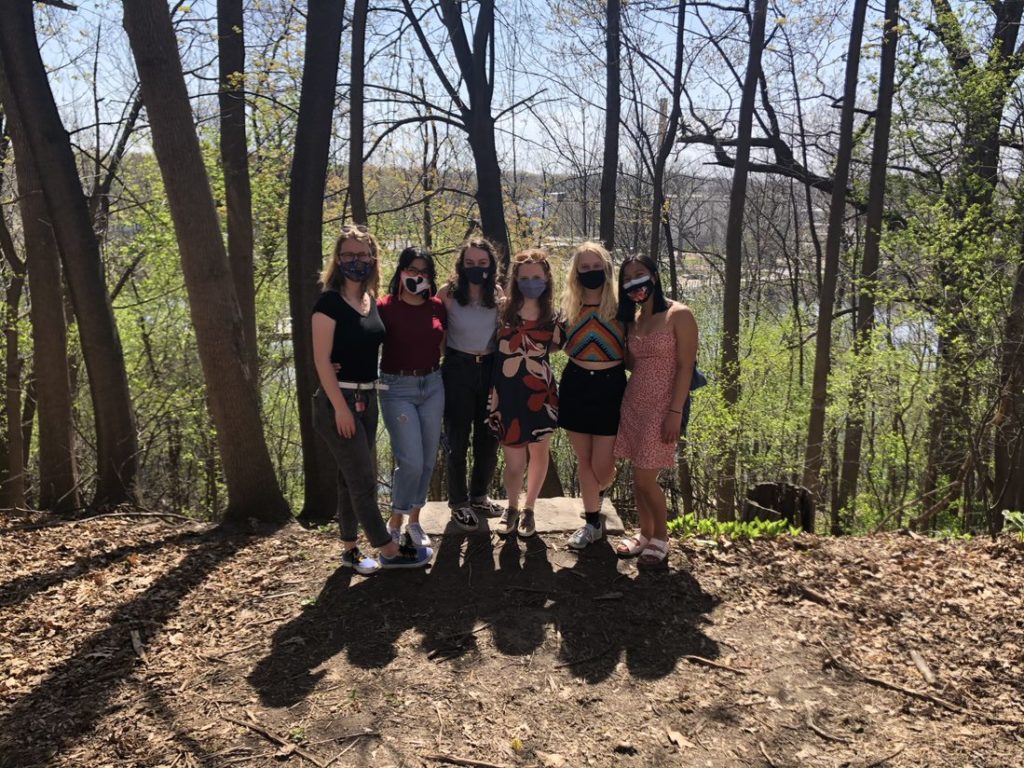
pixel 826 299
pixel 305 239
pixel 117 442
pixel 234 156
pixel 58 473
pixel 253 491
pixel 734 255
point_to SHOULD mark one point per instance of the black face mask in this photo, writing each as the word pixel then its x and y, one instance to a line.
pixel 476 275
pixel 593 279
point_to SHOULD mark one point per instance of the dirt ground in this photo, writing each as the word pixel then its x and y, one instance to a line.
pixel 140 642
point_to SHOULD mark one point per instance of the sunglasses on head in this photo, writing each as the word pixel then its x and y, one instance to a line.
pixel 349 229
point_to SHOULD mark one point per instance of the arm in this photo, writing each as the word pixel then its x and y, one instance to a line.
pixel 323 339
pixel 684 327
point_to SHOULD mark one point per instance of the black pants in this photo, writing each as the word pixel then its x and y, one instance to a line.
pixel 356 458
pixel 466 386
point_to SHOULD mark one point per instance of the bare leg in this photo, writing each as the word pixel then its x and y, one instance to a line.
pixel 602 459
pixel 540 453
pixel 414 515
pixel 515 463
pixel 590 486
pixel 655 513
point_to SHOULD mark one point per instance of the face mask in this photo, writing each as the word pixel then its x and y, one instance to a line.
pixel 592 279
pixel 532 287
pixel 476 275
pixel 416 284
pixel 639 289
pixel 356 270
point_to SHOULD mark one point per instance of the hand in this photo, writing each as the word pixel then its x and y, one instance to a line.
pixel 345 421
pixel 670 427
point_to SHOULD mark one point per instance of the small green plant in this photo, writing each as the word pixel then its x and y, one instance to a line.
pixel 1014 522
pixel 688 526
pixel 297 734
pixel 308 602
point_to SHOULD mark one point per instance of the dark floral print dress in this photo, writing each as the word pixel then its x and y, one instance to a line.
pixel 523 404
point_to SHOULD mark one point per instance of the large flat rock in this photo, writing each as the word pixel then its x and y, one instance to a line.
pixel 558 515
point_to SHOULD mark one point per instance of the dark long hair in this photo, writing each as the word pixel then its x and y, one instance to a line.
pixel 407 257
pixel 458 284
pixel 627 307
pixel 510 314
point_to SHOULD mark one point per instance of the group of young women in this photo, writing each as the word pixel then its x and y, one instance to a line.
pixel 475 358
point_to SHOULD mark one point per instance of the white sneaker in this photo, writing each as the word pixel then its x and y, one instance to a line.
pixel 417 535
pixel 586 536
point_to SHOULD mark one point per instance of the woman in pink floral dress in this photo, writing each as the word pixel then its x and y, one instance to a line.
pixel 661 339
pixel 524 396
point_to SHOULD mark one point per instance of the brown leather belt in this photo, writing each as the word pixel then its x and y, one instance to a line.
pixel 469 355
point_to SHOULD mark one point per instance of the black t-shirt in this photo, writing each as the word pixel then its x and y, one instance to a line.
pixel 357 339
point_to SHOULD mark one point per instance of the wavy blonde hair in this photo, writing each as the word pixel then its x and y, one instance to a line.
pixel 572 296
pixel 331 278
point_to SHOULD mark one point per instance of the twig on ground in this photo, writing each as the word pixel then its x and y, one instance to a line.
pixel 922 667
pixel 76 521
pixel 882 760
pixel 715 664
pixel 438 757
pixel 253 726
pixel 765 755
pixel 534 590
pixel 821 731
pixel 137 646
pixel 948 705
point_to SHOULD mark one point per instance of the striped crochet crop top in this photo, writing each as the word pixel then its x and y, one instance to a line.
pixel 594 339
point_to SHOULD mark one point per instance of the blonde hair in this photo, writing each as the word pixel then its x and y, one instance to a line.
pixel 572 296
pixel 331 278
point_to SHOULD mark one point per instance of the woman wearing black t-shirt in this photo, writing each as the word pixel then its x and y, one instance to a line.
pixel 347 334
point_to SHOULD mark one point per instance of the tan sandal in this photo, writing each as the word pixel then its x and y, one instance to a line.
pixel 631 547
pixel 654 557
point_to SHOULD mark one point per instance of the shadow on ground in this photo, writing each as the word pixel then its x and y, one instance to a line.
pixel 75 694
pixel 485 595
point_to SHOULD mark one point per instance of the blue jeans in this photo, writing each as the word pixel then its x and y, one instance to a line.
pixel 413 408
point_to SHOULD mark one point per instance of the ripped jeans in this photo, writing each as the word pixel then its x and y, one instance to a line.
pixel 413 409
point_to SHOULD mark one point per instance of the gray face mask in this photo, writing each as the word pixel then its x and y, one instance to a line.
pixel 532 287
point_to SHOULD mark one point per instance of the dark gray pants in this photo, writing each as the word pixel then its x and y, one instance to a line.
pixel 356 458
pixel 466 387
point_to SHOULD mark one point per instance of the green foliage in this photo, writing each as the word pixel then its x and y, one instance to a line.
pixel 689 526
pixel 1014 520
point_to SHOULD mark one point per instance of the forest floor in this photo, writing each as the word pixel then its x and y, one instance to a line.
pixel 138 642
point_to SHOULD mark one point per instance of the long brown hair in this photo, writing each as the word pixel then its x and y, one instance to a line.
pixel 458 283
pixel 510 314
pixel 331 278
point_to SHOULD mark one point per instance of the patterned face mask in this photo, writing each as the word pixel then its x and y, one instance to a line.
pixel 639 289
pixel 415 283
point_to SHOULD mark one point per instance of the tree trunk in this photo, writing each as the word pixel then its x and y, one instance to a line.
pixel 253 491
pixel 12 473
pixel 667 140
pixel 305 240
pixel 58 474
pixel 613 82
pixel 869 265
pixel 833 242
pixel 489 191
pixel 356 186
pixel 116 439
pixel 234 156
pixel 968 196
pixel 1009 418
pixel 734 257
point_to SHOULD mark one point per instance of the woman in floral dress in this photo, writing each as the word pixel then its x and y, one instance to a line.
pixel 662 351
pixel 524 396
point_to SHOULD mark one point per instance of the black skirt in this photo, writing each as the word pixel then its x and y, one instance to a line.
pixel 589 401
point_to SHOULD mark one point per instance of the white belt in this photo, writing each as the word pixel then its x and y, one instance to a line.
pixel 361 385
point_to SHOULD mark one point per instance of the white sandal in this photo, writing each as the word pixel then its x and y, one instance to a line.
pixel 654 557
pixel 632 546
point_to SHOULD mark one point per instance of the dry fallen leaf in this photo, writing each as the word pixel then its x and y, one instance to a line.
pixel 679 740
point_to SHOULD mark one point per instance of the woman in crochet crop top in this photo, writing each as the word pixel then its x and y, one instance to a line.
pixel 594 381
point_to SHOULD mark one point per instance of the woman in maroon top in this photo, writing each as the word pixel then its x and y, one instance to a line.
pixel 413 402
